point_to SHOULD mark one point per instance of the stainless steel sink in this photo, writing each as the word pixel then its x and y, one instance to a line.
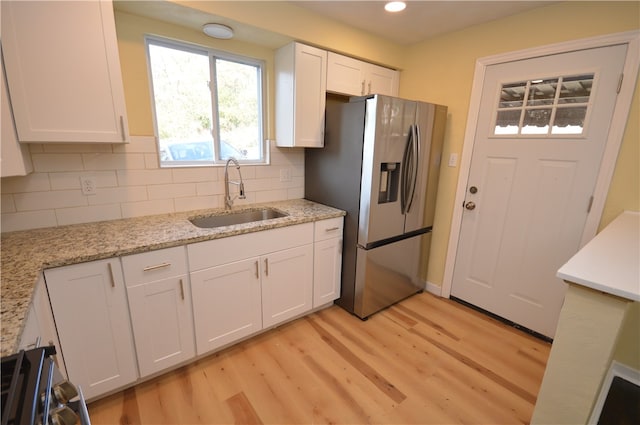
pixel 239 217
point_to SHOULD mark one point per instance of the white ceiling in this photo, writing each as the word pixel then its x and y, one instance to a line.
pixel 421 19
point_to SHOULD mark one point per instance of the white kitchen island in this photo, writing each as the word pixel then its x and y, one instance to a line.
pixel 598 320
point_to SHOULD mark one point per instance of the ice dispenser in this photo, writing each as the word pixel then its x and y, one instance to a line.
pixel 389 179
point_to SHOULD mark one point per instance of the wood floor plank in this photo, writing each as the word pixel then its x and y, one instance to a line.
pixel 426 360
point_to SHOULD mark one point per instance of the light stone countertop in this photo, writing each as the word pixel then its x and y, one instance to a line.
pixel 25 254
pixel 610 262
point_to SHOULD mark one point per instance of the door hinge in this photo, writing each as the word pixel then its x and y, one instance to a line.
pixel 620 83
pixel 590 205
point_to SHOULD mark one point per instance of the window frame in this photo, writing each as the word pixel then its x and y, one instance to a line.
pixel 212 55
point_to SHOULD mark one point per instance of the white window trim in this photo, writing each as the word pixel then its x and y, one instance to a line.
pixel 211 53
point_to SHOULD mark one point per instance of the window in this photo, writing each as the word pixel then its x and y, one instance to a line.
pixel 554 106
pixel 207 105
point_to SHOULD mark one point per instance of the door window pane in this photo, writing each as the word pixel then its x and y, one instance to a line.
pixel 542 92
pixel 553 106
pixel 569 120
pixel 536 121
pixel 512 95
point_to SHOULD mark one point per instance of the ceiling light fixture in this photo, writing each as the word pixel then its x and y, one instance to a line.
pixel 218 31
pixel 395 6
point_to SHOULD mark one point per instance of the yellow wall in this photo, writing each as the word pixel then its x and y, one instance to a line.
pixel 441 70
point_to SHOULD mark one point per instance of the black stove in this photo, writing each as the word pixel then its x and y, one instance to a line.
pixel 35 393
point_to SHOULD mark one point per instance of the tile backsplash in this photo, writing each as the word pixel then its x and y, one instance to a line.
pixel 129 183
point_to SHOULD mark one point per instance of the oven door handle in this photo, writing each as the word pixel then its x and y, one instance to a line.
pixel 83 412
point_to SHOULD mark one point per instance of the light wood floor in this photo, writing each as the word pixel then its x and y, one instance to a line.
pixel 425 360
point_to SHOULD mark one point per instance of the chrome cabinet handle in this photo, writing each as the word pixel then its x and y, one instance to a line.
pixel 362 88
pixel 369 87
pixel 113 281
pixel 331 229
pixel 122 132
pixel 266 266
pixel 181 289
pixel 257 272
pixel 157 266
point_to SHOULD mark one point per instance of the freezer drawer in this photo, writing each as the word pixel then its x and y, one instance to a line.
pixel 386 275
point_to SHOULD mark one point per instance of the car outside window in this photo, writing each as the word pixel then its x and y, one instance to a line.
pixel 207 105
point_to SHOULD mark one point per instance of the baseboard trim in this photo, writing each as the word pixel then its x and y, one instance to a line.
pixel 432 288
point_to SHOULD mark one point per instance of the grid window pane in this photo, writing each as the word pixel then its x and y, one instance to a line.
pixel 512 95
pixel 576 89
pixel 569 120
pixel 536 121
pixel 542 92
pixel 508 122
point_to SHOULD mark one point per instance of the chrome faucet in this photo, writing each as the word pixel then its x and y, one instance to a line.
pixel 228 200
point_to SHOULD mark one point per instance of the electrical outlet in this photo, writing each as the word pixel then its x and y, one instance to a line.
pixel 88 185
pixel 285 175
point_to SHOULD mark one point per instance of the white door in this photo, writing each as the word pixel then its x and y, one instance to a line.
pixel 541 131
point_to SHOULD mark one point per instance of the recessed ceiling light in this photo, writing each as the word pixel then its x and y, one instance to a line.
pixel 218 31
pixel 395 6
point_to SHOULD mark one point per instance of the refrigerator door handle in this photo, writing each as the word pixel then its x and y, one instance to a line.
pixel 409 170
pixel 415 157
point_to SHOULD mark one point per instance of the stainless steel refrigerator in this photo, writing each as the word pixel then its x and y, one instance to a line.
pixel 380 163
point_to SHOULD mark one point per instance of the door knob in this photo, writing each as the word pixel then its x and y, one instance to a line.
pixel 470 205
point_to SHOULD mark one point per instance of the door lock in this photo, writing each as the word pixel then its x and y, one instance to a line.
pixel 473 189
pixel 470 205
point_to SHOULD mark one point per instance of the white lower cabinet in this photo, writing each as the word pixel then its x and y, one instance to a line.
pixel 226 303
pixel 164 307
pixel 327 261
pixel 287 284
pixel 160 306
pixel 245 283
pixel 40 329
pixel 89 304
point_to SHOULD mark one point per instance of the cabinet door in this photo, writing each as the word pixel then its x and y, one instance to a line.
pixel 15 159
pixel 381 80
pixel 90 308
pixel 287 284
pixel 162 323
pixel 63 71
pixel 345 75
pixel 327 269
pixel 226 303
pixel 301 82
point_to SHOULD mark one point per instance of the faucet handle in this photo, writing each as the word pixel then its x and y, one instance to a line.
pixel 241 194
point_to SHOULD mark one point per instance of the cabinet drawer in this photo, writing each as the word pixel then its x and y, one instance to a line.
pixel 327 229
pixel 154 265
pixel 235 248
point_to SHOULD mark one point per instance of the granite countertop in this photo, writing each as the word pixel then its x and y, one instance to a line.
pixel 25 254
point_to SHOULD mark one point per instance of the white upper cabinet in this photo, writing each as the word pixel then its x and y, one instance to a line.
pixel 301 81
pixel 15 159
pixel 354 77
pixel 63 71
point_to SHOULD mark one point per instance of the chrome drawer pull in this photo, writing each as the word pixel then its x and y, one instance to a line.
pixel 113 281
pixel 257 273
pixel 331 229
pixel 157 266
